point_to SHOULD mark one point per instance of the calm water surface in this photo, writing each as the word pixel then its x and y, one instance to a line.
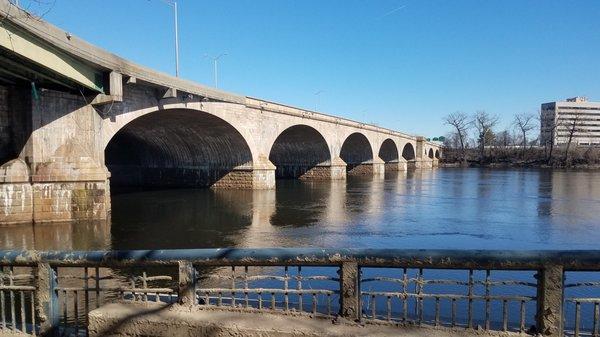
pixel 442 208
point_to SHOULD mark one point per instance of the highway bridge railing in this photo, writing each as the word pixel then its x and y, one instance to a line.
pixel 552 293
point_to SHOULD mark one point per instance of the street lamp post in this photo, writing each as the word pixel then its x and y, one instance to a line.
pixel 317 98
pixel 215 66
pixel 173 4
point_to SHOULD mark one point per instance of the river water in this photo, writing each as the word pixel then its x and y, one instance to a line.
pixel 440 208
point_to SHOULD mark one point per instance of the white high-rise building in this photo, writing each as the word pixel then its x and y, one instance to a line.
pixel 574 116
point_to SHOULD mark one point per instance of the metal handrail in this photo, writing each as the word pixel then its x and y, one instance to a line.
pixel 580 260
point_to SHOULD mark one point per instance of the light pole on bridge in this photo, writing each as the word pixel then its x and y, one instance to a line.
pixel 317 98
pixel 173 4
pixel 215 60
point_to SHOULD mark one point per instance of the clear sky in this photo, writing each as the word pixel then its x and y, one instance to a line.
pixel 401 64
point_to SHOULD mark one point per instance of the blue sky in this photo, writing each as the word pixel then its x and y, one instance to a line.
pixel 399 64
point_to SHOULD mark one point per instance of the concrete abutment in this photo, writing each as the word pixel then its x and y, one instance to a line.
pixel 70 192
pixel 54 194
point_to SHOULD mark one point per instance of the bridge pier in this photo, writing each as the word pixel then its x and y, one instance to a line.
pixel 400 165
pixel 259 176
pixel 55 192
pixel 421 164
pixel 263 176
pixel 376 168
pixel 52 163
pixel 70 192
pixel 336 170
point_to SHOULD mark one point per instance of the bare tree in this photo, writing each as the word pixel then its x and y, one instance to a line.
pixel 461 124
pixel 35 9
pixel 503 139
pixel 524 122
pixel 484 123
pixel 572 126
pixel 547 133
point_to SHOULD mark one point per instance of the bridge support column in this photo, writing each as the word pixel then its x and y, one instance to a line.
pixel 59 174
pixel 378 167
pixel 55 192
pixel 375 168
pixel 334 171
pixel 258 176
pixel 338 169
pixel 64 191
pixel 423 163
pixel 400 165
pixel 263 175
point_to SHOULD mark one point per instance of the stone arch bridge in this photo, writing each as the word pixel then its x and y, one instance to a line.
pixel 75 117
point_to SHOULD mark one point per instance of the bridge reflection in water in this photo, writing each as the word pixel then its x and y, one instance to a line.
pixel 475 209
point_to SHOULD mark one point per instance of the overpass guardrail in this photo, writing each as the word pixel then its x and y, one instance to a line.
pixel 552 293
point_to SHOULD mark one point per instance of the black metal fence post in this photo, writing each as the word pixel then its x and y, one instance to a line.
pixel 350 291
pixel 550 297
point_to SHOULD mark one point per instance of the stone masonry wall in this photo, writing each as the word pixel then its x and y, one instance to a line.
pixel 360 169
pixel 237 179
pixel 16 202
pixel 64 201
pixel 16 205
pixel 317 173
pixel 389 167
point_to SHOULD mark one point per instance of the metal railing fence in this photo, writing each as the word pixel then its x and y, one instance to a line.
pixel 51 293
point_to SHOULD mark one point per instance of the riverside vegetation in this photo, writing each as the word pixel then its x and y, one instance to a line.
pixel 474 141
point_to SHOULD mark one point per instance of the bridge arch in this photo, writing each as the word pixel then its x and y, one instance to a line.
pixel 176 148
pixel 298 150
pixel 388 151
pixel 356 150
pixel 430 153
pixel 408 152
pixel 437 153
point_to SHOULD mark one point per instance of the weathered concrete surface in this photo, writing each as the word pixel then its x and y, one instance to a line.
pixel 16 203
pixel 154 320
pixel 550 298
pixel 9 333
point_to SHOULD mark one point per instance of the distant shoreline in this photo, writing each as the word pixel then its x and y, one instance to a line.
pixel 532 165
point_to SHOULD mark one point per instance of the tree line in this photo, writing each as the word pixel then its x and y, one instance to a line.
pixel 475 140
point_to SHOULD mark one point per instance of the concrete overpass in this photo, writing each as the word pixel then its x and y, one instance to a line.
pixel 74 117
